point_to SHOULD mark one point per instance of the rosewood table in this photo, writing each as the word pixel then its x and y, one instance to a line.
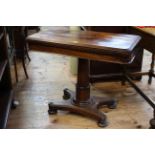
pixel 107 47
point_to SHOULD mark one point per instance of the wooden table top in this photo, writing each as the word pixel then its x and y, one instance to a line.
pixel 148 37
pixel 112 45
pixel 148 30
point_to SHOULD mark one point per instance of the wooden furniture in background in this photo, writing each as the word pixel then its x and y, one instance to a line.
pixel 6 90
pixel 148 43
pixel 17 38
pixel 87 45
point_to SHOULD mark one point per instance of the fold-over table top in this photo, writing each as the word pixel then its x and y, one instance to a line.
pixel 117 48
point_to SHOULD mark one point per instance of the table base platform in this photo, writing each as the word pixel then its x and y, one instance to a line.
pixel 89 109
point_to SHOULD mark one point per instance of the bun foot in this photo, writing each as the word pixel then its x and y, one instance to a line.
pixel 51 110
pixel 67 94
pixel 102 123
pixel 112 105
pixel 152 123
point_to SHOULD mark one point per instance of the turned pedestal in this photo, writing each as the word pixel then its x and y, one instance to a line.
pixel 81 102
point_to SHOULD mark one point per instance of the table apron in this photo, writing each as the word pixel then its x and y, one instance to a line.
pixel 78 53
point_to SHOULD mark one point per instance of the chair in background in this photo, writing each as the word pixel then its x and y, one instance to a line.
pixel 18 47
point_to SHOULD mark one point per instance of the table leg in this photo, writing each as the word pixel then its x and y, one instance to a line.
pixel 152 121
pixel 151 71
pixel 81 102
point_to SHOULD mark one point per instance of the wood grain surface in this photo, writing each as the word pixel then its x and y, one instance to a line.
pixel 109 47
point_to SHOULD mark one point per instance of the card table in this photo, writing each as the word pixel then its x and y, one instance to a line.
pixel 86 45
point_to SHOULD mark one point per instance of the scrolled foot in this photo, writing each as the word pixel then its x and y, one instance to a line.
pixel 111 104
pixel 51 110
pixel 66 95
pixel 102 123
pixel 152 123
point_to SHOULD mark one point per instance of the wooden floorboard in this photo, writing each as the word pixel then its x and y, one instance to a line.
pixel 49 75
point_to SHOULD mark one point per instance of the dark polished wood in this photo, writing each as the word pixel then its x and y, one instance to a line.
pixel 18 46
pixel 6 90
pixel 148 37
pixel 107 47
